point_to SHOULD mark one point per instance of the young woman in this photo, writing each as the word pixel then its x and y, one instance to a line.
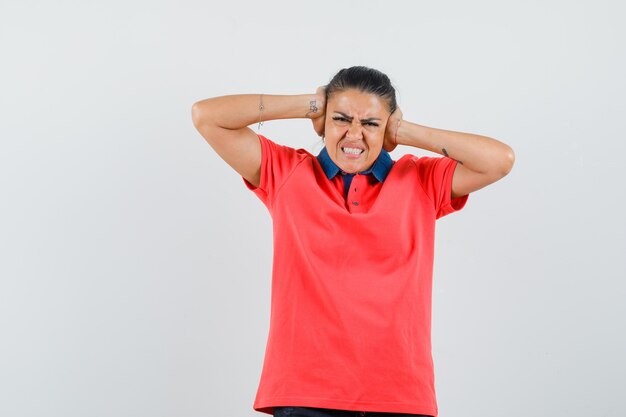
pixel 350 327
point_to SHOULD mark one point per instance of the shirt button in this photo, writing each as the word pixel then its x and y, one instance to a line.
pixel 356 203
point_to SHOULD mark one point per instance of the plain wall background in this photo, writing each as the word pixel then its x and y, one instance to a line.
pixel 136 267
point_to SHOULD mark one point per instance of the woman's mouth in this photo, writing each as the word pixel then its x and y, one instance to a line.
pixel 353 153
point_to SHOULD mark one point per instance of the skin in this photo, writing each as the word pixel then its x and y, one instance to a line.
pixel 353 118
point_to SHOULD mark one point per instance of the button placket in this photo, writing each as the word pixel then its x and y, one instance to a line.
pixel 354 196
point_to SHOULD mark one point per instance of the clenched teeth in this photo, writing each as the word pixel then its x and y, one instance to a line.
pixel 354 151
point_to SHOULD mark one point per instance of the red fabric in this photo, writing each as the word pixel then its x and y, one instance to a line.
pixel 350 322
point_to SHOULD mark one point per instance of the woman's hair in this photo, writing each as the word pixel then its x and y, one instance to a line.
pixel 364 79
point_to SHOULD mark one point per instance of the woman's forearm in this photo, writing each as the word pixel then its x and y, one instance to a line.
pixel 240 110
pixel 478 153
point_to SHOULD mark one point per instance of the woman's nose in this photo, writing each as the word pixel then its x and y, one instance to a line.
pixel 355 131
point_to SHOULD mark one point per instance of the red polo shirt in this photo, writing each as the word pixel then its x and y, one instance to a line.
pixel 350 320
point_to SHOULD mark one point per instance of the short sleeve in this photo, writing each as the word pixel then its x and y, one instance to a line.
pixel 277 163
pixel 435 176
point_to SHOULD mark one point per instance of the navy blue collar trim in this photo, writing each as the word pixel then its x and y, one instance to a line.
pixel 380 169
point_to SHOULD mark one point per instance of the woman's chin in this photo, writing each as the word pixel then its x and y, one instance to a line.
pixel 353 168
pixel 352 165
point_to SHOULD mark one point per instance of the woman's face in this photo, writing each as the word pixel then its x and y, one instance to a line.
pixel 355 120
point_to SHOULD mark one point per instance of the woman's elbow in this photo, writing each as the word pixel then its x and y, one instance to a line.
pixel 508 160
pixel 196 113
pixel 201 112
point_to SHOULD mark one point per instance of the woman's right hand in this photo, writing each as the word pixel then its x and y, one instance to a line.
pixel 319 117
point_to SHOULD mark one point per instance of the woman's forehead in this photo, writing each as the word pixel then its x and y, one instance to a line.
pixel 354 101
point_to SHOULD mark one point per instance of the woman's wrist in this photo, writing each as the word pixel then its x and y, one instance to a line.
pixel 412 134
pixel 317 104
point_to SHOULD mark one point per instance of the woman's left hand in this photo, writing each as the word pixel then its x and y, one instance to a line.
pixel 389 143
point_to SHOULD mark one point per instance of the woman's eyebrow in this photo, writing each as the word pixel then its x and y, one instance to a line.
pixel 363 120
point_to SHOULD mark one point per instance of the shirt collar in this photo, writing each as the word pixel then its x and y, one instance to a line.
pixel 380 169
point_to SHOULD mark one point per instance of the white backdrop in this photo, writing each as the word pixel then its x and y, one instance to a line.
pixel 135 265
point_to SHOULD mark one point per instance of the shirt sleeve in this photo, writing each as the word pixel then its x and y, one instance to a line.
pixel 435 176
pixel 277 163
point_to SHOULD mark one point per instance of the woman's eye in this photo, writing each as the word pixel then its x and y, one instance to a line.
pixel 343 119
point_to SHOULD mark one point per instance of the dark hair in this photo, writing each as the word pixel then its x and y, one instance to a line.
pixel 367 80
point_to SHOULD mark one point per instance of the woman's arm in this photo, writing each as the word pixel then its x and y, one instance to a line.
pixel 223 121
pixel 481 160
